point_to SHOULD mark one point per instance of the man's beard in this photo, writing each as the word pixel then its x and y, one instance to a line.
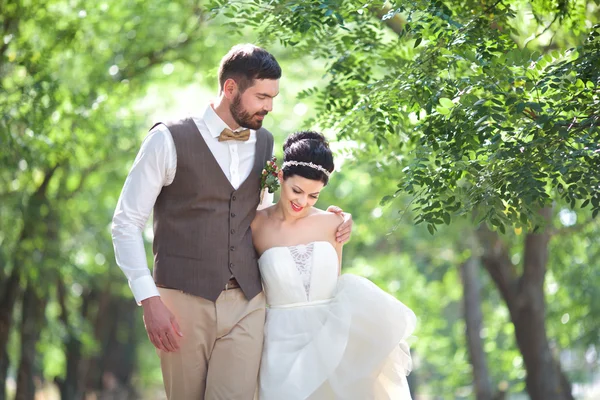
pixel 243 117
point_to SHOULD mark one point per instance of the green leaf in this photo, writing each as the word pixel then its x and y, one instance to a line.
pixel 443 110
pixel 446 102
pixel 385 200
pixel 446 217
pixel 430 228
pixel 523 218
pixel 481 120
pixel 585 203
pixel 502 228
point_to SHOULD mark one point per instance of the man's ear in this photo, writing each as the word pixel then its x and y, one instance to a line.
pixel 230 88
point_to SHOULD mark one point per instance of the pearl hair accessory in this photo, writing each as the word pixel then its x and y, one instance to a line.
pixel 306 164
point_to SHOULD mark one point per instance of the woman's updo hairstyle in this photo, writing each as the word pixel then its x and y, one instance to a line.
pixel 310 147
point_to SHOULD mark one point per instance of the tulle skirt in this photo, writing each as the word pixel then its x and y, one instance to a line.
pixel 352 346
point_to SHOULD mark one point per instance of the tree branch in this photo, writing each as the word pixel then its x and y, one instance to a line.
pixel 547 27
pixel 474 323
pixel 84 175
pixel 496 260
pixel 157 56
pixel 10 24
pixel 536 253
pixel 490 8
pixel 395 23
pixel 573 229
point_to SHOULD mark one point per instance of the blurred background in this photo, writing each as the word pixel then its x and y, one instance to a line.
pixel 506 310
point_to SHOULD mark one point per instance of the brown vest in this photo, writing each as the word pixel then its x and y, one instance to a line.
pixel 202 224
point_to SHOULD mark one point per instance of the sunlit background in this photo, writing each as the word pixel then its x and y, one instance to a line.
pixel 81 83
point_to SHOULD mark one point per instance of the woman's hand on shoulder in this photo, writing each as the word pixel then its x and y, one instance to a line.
pixel 345 228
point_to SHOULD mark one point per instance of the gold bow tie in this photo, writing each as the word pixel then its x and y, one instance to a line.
pixel 228 134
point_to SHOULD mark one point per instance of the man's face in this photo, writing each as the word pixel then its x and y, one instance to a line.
pixel 249 108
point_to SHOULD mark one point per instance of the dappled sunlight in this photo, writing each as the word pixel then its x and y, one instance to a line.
pixel 467 149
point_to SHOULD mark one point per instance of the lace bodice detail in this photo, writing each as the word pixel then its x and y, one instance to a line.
pixel 302 255
pixel 299 274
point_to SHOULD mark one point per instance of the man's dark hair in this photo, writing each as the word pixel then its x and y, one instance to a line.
pixel 244 63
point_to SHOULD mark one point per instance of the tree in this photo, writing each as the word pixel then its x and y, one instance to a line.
pixel 69 77
pixel 72 81
pixel 76 81
pixel 472 120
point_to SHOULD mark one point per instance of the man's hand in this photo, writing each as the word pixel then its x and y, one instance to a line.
pixel 345 229
pixel 163 330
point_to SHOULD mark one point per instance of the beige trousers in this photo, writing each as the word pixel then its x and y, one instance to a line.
pixel 220 350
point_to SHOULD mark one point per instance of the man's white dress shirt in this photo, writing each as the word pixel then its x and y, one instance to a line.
pixel 154 167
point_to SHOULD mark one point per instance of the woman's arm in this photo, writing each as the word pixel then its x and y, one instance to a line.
pixel 338 249
pixel 333 222
pixel 256 227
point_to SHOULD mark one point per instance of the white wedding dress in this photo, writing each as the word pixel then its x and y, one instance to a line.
pixel 330 337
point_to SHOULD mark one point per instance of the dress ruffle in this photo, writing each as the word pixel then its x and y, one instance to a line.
pixel 350 347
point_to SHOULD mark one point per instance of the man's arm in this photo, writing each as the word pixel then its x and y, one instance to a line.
pixel 153 168
pixel 149 173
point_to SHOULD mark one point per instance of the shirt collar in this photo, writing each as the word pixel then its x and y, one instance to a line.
pixel 215 124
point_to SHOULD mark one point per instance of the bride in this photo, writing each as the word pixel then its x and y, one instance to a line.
pixel 326 336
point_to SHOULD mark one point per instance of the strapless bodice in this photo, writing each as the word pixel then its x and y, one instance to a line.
pixel 301 274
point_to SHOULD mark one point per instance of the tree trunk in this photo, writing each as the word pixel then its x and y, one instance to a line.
pixel 34 307
pixel 524 296
pixel 473 320
pixel 4 360
pixel 118 337
pixel 12 287
pixel 4 364
pixel 545 379
pixel 11 292
pixel 71 387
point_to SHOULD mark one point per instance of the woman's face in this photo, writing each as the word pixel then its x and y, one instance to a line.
pixel 298 194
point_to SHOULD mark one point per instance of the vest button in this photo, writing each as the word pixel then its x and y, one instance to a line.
pixel 232 231
pixel 232 265
pixel 232 248
pixel 233 198
pixel 232 215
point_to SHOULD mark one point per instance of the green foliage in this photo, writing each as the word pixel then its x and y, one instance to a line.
pixel 478 111
pixel 71 78
pixel 441 101
pixel 493 129
pixel 573 295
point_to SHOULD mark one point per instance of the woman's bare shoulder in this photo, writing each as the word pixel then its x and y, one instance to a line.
pixel 260 220
pixel 262 216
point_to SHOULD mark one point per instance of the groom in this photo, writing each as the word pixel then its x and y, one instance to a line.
pixel 204 310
